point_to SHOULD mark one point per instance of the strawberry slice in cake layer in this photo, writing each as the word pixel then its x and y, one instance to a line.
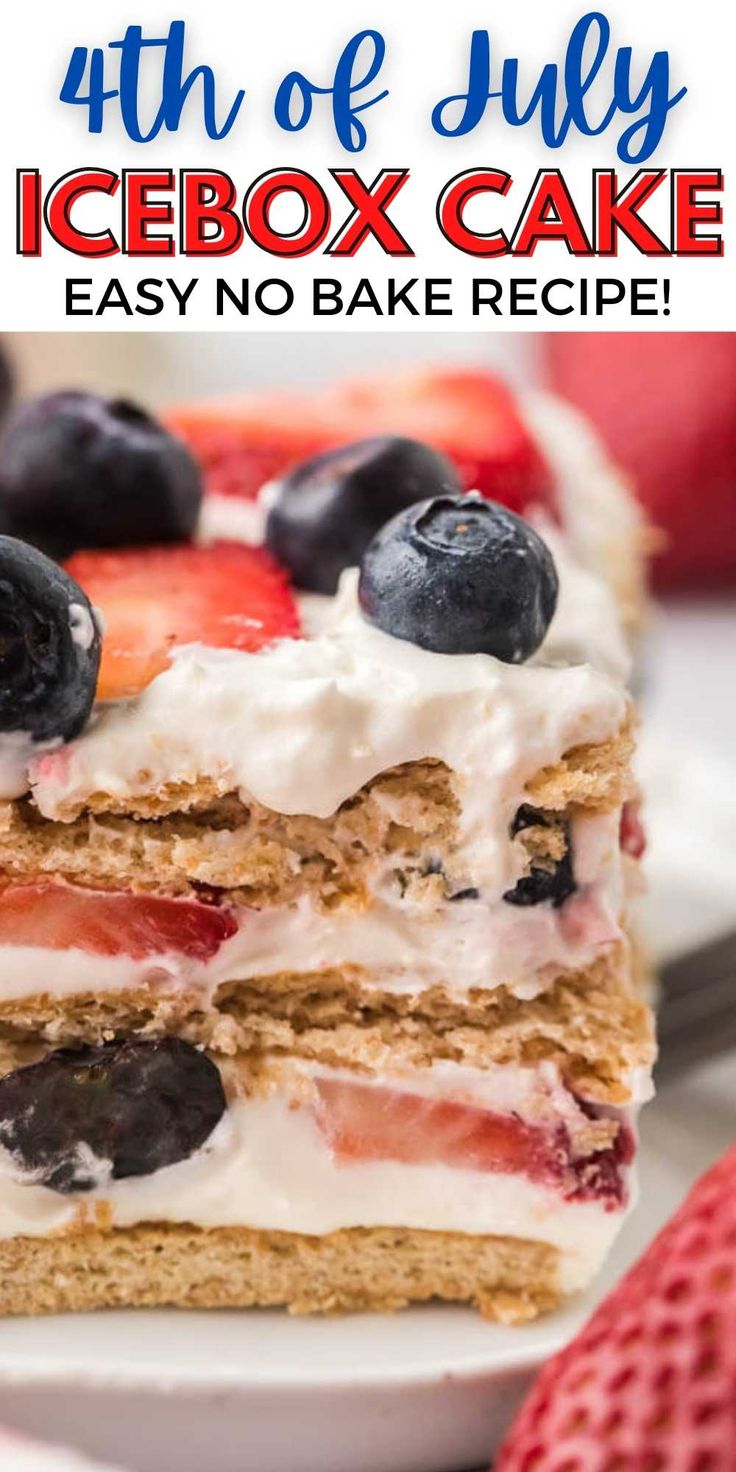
pixel 315 869
pixel 472 418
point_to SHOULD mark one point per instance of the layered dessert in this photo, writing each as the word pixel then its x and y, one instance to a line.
pixel 317 855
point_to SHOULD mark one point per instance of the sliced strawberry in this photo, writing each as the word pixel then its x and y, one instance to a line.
pixel 59 917
pixel 228 596
pixel 364 1122
pixel 242 443
pixel 235 466
pixel 471 416
pixel 665 405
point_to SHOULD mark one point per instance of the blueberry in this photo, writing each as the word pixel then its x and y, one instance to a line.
pixel 553 882
pixel 122 1109
pixel 78 470
pixel 328 508
pixel 460 575
pixel 49 646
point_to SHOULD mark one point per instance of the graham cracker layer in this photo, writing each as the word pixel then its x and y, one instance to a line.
pixel 224 842
pixel 382 1268
pixel 591 1024
pixel 177 841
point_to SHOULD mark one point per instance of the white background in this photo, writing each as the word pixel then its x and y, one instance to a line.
pixel 427 59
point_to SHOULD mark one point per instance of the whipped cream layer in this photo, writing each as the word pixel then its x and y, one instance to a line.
pixel 399 945
pixel 303 725
pixel 267 1165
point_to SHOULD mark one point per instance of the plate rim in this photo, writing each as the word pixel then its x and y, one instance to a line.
pixel 49 1370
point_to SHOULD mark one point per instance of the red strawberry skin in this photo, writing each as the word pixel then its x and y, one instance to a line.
pixel 469 415
pixel 665 404
pixel 156 598
pixel 649 1385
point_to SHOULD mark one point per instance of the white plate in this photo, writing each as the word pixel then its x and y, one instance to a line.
pixel 429 1390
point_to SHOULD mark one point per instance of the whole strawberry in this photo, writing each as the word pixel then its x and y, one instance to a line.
pixel 665 403
pixel 649 1385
